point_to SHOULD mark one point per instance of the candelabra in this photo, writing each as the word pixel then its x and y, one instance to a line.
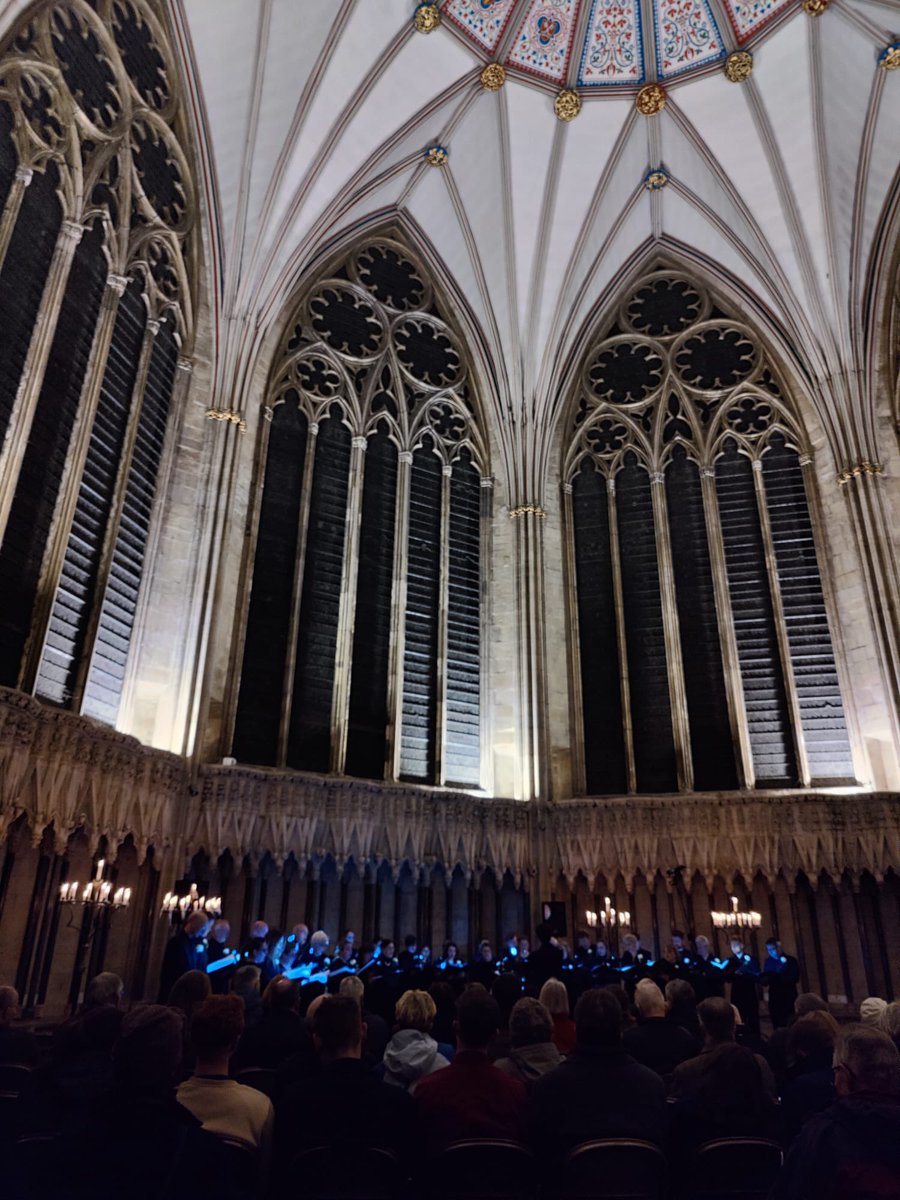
pixel 98 893
pixel 611 919
pixel 736 918
pixel 180 907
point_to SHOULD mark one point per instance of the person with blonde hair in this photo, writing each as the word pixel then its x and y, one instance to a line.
pixel 555 999
pixel 412 1052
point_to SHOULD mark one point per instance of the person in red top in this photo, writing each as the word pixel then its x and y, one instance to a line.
pixel 471 1098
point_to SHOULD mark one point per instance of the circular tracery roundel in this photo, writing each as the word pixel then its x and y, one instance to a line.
pixel 625 372
pixel 85 66
pixel 427 352
pixel 391 277
pixel 664 307
pixel 714 357
pixel 140 43
pixel 346 321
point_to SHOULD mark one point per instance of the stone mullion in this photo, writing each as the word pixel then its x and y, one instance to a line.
pixel 486 712
pixel 14 198
pixel 440 716
pixel 734 687
pixel 780 625
pixel 616 565
pixel 576 695
pixel 112 530
pixel 398 617
pixel 65 513
pixel 343 668
pixel 290 661
pixel 672 635
pixel 33 371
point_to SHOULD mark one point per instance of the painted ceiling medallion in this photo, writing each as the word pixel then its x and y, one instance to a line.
pixel 427 18
pixel 815 8
pixel 436 156
pixel 656 181
pixel 567 104
pixel 493 77
pixel 889 58
pixel 651 100
pixel 739 66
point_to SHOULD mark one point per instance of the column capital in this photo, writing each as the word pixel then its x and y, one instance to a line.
pixel 24 175
pixel 117 283
pixel 186 365
pixel 153 326
pixel 72 231
pixel 360 443
pixel 405 456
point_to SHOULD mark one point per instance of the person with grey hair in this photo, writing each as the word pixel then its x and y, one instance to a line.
pixel 185 951
pixel 18 1047
pixel 532 1049
pixel 654 1041
pixel 890 1022
pixel 852 1150
pixel 105 988
pixel 872 1010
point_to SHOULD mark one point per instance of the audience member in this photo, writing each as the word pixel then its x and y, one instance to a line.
pixel 245 983
pixel 654 1041
pixel 377 1031
pixel 344 1104
pixel 185 951
pixel 506 990
pixel 471 1098
pixel 532 1050
pixel 17 1046
pixel 445 1003
pixel 871 1011
pixel 809 1086
pixel 412 1052
pixel 681 1009
pixel 599 1091
pixel 775 1049
pixel 891 1022
pixel 189 991
pixel 727 1091
pixel 555 999
pixel 225 1107
pixel 851 1151
pixel 280 1031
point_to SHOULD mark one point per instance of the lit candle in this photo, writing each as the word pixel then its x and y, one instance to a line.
pixel 127 896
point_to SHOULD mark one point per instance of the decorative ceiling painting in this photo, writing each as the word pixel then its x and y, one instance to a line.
pixel 605 43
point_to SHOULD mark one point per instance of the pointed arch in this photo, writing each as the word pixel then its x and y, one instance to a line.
pixel 364 618
pixel 694 560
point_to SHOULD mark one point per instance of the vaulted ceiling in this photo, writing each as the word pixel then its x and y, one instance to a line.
pixel 314 118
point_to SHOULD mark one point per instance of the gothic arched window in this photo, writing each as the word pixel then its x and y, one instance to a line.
pixel 700 620
pixel 362 651
pixel 96 207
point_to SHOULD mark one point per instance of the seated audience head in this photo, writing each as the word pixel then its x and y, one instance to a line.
pixel 866 1061
pixel 649 1000
pixel 477 1018
pixel 282 995
pixel 245 982
pixel 808 1002
pixel 337 1028
pixel 811 1040
pixel 717 1019
pixel 598 1020
pixel 148 1052
pixel 9 1005
pixel 415 1010
pixel 530 1024
pixel 104 989
pixel 872 1010
pixel 259 929
pixel 189 990
pixel 196 923
pixel 891 1022
pixel 679 995
pixel 216 1028
pixel 221 931
pixel 352 986
pixel 555 998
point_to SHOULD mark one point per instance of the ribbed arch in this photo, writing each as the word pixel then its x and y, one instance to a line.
pixel 368 576
pixel 699 615
pixel 96 212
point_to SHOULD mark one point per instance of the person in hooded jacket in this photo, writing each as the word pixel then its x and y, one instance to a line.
pixel 532 1050
pixel 412 1052
pixel 852 1150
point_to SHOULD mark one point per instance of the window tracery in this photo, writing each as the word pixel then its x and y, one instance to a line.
pixel 95 261
pixel 362 652
pixel 704 653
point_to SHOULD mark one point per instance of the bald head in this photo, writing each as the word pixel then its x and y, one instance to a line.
pixel 649 1000
pixel 9 1005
